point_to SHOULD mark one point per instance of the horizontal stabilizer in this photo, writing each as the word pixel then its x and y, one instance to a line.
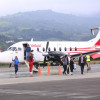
pixel 94 56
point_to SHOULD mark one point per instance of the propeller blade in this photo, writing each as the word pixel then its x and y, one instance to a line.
pixel 47 45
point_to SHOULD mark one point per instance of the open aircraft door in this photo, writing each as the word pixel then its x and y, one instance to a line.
pixel 24 50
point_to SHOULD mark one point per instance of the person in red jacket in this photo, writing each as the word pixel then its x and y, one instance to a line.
pixel 30 60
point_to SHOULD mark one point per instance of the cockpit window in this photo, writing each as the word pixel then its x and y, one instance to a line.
pixel 12 49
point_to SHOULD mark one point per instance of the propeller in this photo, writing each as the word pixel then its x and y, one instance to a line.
pixel 47 45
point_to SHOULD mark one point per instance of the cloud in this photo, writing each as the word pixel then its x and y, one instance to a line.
pixel 84 7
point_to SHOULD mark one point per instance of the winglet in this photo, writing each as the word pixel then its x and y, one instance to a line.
pixel 92 30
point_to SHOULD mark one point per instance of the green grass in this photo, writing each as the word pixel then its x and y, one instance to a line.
pixel 92 62
pixel 4 64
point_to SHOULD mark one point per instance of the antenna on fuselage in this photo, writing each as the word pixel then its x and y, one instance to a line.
pixel 92 30
pixel 32 40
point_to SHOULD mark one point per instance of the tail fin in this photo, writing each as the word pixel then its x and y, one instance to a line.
pixel 96 40
pixel 97 43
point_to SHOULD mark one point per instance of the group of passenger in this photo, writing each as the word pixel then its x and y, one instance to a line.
pixel 68 63
pixel 28 53
pixel 29 58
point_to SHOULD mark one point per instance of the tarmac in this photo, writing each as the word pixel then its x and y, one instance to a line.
pixel 7 75
pixel 53 86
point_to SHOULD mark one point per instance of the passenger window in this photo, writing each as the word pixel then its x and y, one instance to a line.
pixel 43 49
pixel 75 49
pixel 60 49
pixel 65 49
pixel 54 49
pixel 70 49
pixel 37 49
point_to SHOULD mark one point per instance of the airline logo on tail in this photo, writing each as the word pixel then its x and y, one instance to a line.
pixel 96 55
pixel 97 43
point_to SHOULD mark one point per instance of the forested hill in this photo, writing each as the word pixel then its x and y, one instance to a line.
pixel 45 25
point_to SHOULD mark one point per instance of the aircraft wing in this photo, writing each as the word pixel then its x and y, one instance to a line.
pixel 86 53
pixel 57 55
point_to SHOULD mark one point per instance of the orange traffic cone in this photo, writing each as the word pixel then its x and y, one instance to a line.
pixel 39 70
pixel 59 70
pixel 48 70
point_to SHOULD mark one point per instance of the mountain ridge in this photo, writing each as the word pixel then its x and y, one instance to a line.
pixel 46 25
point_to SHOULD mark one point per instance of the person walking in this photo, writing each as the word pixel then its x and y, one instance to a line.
pixel 71 66
pixel 24 47
pixel 68 66
pixel 16 62
pixel 88 62
pixel 82 62
pixel 65 63
pixel 28 50
pixel 30 60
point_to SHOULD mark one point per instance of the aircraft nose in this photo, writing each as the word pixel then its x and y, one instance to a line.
pixel 5 57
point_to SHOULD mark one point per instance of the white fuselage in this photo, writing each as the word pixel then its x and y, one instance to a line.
pixel 39 48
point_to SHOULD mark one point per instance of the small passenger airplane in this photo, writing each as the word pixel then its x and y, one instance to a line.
pixel 52 50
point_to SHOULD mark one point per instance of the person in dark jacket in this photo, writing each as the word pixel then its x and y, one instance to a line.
pixel 68 66
pixel 71 66
pixel 28 50
pixel 65 63
pixel 82 62
pixel 16 62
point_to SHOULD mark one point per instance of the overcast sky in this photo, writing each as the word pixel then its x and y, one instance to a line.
pixel 77 7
